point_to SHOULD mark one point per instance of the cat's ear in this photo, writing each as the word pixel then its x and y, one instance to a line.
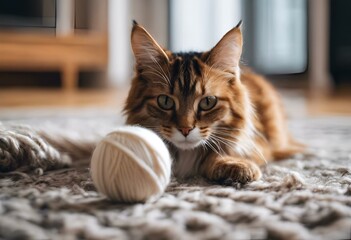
pixel 146 50
pixel 227 52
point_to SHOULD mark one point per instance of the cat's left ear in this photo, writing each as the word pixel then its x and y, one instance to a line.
pixel 226 54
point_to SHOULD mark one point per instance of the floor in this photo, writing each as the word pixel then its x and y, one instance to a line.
pixel 333 105
pixel 338 104
pixel 306 197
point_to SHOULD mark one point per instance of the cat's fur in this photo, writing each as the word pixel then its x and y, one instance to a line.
pixel 245 128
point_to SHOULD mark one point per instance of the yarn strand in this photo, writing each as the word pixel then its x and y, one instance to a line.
pixel 22 148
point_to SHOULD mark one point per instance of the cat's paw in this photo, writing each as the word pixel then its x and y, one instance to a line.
pixel 235 171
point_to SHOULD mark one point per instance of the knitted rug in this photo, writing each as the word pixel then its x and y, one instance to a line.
pixel 305 197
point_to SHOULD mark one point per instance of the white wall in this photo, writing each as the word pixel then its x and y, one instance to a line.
pixel 197 25
pixel 152 14
pixel 119 62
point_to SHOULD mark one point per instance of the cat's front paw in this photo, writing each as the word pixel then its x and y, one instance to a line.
pixel 234 170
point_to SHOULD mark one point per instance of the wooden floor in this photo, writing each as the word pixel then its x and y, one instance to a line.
pixel 110 98
pixel 336 105
pixel 43 98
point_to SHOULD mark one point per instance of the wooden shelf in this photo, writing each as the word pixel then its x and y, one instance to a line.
pixel 42 52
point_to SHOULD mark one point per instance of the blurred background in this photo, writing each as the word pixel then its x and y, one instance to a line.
pixel 77 52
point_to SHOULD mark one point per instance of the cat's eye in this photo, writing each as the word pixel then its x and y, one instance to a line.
pixel 165 102
pixel 208 103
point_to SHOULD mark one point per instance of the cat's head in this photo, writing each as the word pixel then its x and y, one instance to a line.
pixel 189 99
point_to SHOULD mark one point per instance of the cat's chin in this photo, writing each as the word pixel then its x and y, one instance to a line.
pixel 187 145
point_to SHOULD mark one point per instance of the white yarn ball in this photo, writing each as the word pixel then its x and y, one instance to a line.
pixel 131 164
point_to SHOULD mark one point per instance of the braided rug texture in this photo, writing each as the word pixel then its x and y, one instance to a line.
pixel 306 197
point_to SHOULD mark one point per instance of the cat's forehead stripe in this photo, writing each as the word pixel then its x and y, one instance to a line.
pixel 175 74
pixel 185 67
pixel 186 76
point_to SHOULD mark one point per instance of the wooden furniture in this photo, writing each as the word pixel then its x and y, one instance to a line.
pixel 65 49
pixel 41 52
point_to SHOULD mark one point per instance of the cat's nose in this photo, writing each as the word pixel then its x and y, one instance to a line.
pixel 185 131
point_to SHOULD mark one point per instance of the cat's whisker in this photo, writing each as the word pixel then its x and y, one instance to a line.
pixel 226 136
pixel 226 142
pixel 257 133
pixel 208 143
pixel 203 144
pixel 216 144
pixel 220 148
pixel 252 145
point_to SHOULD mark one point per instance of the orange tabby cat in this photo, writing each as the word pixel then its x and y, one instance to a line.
pixel 219 120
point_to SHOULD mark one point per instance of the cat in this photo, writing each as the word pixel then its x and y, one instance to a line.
pixel 220 120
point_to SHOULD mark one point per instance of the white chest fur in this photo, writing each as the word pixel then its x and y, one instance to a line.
pixel 187 163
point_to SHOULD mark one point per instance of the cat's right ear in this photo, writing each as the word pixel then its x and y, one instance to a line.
pixel 146 50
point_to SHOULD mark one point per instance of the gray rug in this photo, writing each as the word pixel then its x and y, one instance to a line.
pixel 307 197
